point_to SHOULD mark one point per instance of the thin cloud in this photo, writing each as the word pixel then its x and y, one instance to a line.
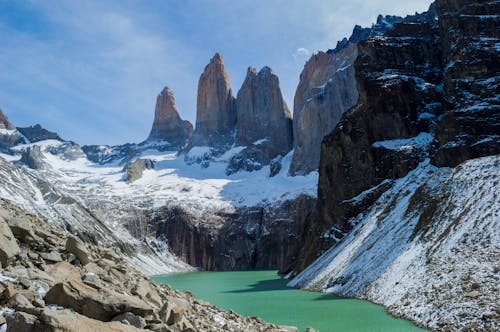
pixel 92 69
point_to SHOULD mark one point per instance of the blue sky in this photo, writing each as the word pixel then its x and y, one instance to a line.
pixel 91 70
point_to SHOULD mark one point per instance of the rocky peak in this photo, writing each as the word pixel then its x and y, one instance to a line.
pixel 9 136
pixel 168 125
pixel 4 122
pixel 37 133
pixel 326 89
pixel 215 111
pixel 262 113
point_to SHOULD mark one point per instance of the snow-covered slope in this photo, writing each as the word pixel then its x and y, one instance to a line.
pixel 428 249
pixel 35 192
pixel 124 209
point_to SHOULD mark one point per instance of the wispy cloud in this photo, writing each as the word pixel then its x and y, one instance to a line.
pixel 92 69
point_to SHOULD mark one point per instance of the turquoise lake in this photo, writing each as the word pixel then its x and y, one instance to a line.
pixel 264 294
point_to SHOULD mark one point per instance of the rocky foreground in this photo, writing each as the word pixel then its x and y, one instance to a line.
pixel 51 281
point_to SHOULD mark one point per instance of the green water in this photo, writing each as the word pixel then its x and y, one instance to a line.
pixel 264 294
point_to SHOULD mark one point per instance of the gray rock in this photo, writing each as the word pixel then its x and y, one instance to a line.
pixel 8 244
pixel 52 256
pixel 216 107
pixel 262 114
pixel 129 318
pixel 22 229
pixel 168 125
pixel 21 322
pixel 33 158
pixel 76 247
pixel 37 133
pixel 20 301
pixel 136 168
pixel 101 305
pixel 327 89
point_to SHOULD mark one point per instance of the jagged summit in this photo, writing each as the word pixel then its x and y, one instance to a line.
pixel 37 133
pixel 262 113
pixel 215 110
pixel 4 122
pixel 168 125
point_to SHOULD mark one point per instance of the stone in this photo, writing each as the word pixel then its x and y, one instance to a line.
pixel 8 244
pixel 76 247
pixel 20 301
pixel 129 318
pixel 147 293
pixel 66 320
pixel 52 256
pixel 33 158
pixel 22 322
pixel 168 125
pixel 216 107
pixel 136 168
pixel 102 304
pixel 63 271
pixel 22 229
pixel 262 114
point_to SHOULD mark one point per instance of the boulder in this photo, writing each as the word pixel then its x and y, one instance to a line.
pixel 33 157
pixel 216 107
pixel 22 322
pixel 262 113
pixel 102 304
pixel 8 244
pixel 52 256
pixel 22 229
pixel 20 301
pixel 129 318
pixel 136 168
pixel 63 271
pixel 168 125
pixel 76 247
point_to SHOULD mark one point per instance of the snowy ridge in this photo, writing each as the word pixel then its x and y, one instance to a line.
pixel 428 248
pixel 97 191
pixel 36 194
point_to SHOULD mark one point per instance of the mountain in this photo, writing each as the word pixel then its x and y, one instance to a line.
pixel 9 136
pixel 215 110
pixel 37 133
pixel 389 192
pixel 168 125
pixel 405 205
pixel 328 87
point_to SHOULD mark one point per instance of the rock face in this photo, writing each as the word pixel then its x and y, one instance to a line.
pixel 168 125
pixel 398 78
pixel 471 126
pixel 37 133
pixel 216 107
pixel 262 113
pixel 106 294
pixel 249 238
pixel 328 88
pixel 5 123
pixel 135 169
pixel 8 245
pixel 9 136
pixel 33 158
